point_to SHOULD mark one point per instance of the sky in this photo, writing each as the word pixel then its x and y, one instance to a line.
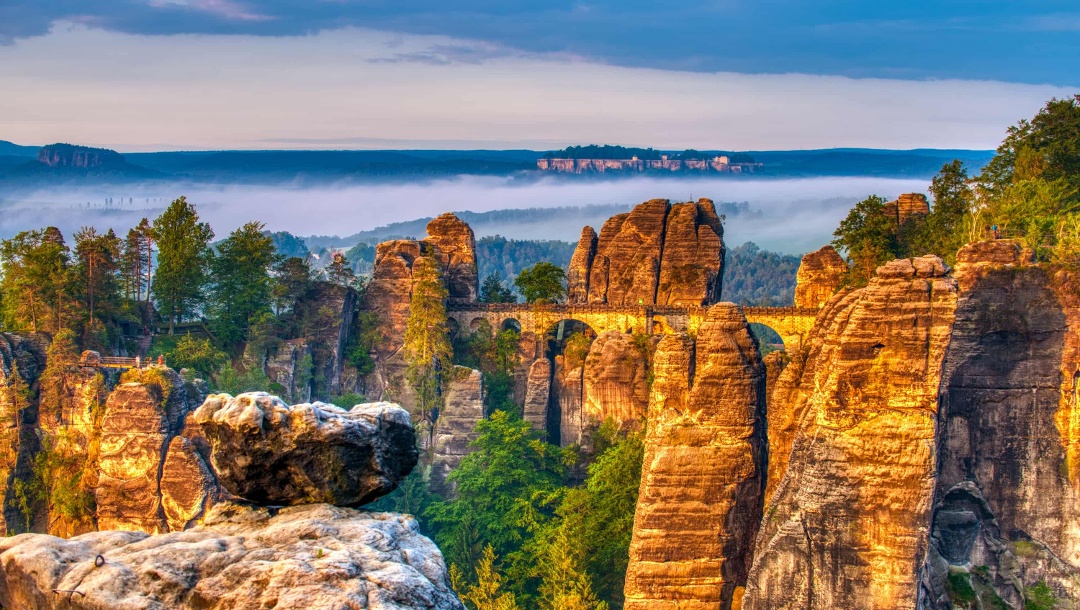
pixel 137 75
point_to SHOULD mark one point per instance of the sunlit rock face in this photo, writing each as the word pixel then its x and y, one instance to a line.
pixel 657 254
pixel 450 241
pixel 1007 508
pixel 463 408
pixel 271 453
pixel 145 482
pixel 820 274
pixel 18 437
pixel 847 525
pixel 615 382
pixel 703 476
pixel 537 393
pixel 314 556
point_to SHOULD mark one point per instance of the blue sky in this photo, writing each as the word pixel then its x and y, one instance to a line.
pixel 984 60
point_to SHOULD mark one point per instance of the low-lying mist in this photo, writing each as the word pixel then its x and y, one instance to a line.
pixel 791 216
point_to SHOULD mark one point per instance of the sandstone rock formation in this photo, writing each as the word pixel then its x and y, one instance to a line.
pixel 144 482
pixel 454 246
pixel 616 385
pixel 456 427
pixel 451 242
pixel 577 276
pixel 268 452
pixel 300 557
pixel 567 389
pixel 656 254
pixel 18 418
pixel 537 393
pixel 820 274
pixel 907 206
pixel 1007 504
pixel 847 526
pixel 704 470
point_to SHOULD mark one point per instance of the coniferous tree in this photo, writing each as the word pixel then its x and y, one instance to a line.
pixel 340 272
pixel 868 237
pixel 487 592
pixel 428 352
pixel 58 377
pixel 96 266
pixel 494 290
pixel 183 260
pixel 37 283
pixel 241 284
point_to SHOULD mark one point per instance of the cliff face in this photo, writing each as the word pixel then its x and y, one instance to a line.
pixel 80 157
pixel 456 428
pixel 451 242
pixel 820 274
pixel 145 481
pixel 18 427
pixel 704 470
pixel 615 380
pixel 847 526
pixel 656 254
pixel 1006 496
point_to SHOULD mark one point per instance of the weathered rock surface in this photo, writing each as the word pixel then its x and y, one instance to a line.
pixel 271 453
pixel 616 384
pixel 314 556
pixel 18 437
pixel 340 304
pixel 820 274
pixel 566 386
pixel 907 206
pixel 456 427
pixel 847 526
pixel 537 393
pixel 1007 508
pixel 577 276
pixel 454 246
pixel 656 254
pixel 139 472
pixel 693 256
pixel 703 476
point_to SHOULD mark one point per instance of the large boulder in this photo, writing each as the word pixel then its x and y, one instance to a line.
pixel 315 556
pixel 271 453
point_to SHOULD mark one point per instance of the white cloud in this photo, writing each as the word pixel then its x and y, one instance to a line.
pixel 197 92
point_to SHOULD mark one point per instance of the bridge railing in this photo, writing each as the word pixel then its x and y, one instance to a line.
pixel 644 310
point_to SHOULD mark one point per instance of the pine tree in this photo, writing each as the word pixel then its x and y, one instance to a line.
pixel 96 256
pixel 487 592
pixel 240 290
pixel 183 260
pixel 428 352
pixel 36 284
pixel 494 290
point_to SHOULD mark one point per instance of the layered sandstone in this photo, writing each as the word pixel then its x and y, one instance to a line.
pixel 315 556
pixel 577 276
pixel 1006 497
pixel 616 383
pixel 145 483
pixel 454 246
pixel 538 393
pixel 657 254
pixel 455 429
pixel 908 205
pixel 847 526
pixel 820 274
pixel 268 452
pixel 704 469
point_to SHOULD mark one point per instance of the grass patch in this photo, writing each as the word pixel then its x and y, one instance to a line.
pixel 959 586
pixel 152 376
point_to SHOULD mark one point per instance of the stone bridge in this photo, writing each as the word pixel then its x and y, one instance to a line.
pixel 791 323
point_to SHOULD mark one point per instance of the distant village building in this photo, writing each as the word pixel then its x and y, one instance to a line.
pixel 719 164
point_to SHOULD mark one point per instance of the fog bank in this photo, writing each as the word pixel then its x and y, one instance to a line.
pixel 792 216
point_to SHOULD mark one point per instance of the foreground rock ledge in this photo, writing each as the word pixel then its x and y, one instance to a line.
pixel 315 556
pixel 271 453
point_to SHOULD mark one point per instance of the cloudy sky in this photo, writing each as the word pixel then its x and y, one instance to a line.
pixel 733 74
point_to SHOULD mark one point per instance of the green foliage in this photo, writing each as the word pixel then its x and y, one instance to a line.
pixel 542 283
pixel 412 497
pixel 501 488
pixel 58 378
pixel 1047 147
pixel 507 257
pixel 496 356
pixel 958 583
pixel 362 338
pixel 240 292
pixel 183 260
pixel 494 290
pixel 340 272
pixel 36 287
pixel 1040 597
pixel 59 470
pixel 198 355
pixel 305 373
pixel 231 381
pixel 348 400
pixel 576 349
pixel 942 232
pixel 868 238
pixel 294 280
pixel 486 591
pixel 151 376
pixel 427 348
pixel 757 277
